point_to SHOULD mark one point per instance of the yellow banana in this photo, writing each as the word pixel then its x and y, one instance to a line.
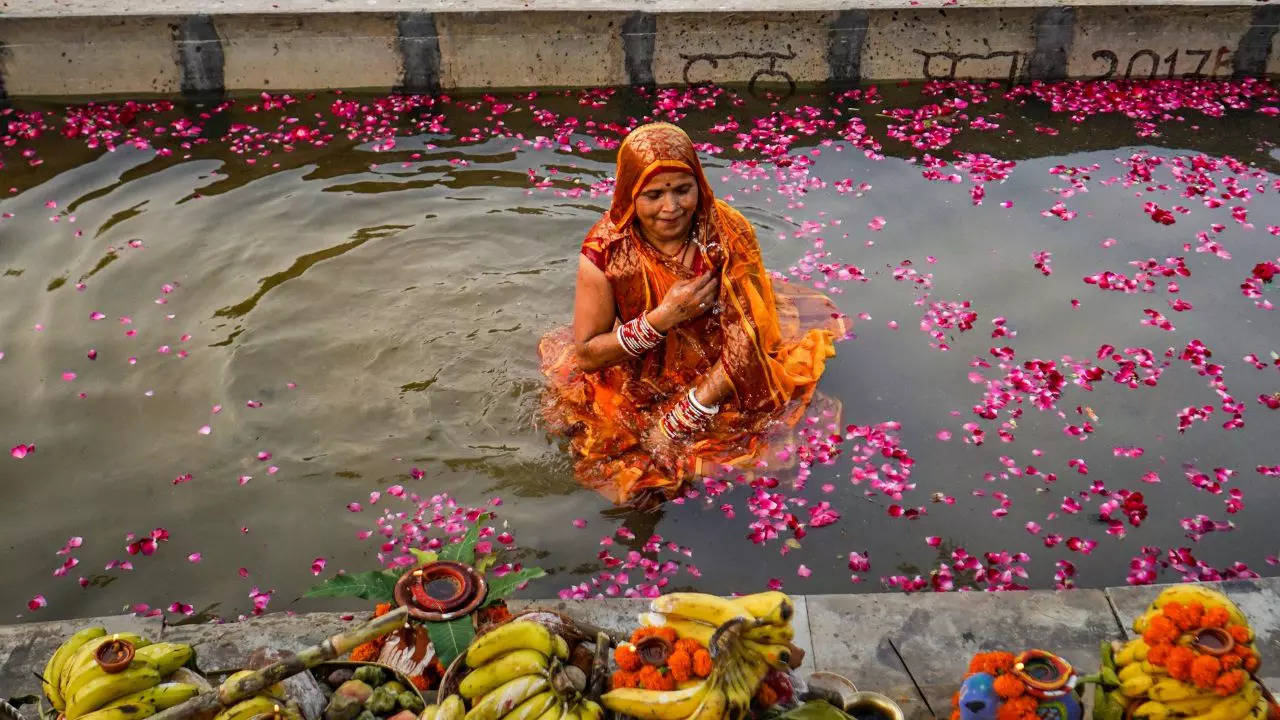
pixel 590 710
pixel 1232 707
pixel 1151 710
pixel 161 697
pixel 1130 671
pixel 1166 689
pixel 1153 670
pixel 1129 654
pixel 684 627
pixel 245 709
pixel 130 711
pixel 1194 592
pixel 561 647
pixel 53 668
pixel 506 697
pixel 428 712
pixel 770 634
pixel 571 714
pixel 533 708
pixel 1192 706
pixel 773 607
pixel 517 635
pixel 1136 686
pixel 84 659
pixel 501 670
pixel 451 709
pixel 712 707
pixel 275 691
pixel 98 691
pixel 709 609
pixel 655 704
pixel 554 712
pixel 165 656
pixel 777 657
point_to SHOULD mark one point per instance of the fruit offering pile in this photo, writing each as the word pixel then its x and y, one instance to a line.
pixel 122 676
pixel 369 692
pixel 1194 659
pixel 518 671
pixel 745 638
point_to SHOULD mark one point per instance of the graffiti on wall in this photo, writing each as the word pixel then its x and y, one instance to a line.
pixel 769 71
pixel 1141 64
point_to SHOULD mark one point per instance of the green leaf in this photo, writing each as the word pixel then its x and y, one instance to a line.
pixel 375 585
pixel 484 562
pixel 450 639
pixel 465 551
pixel 501 587
pixel 424 556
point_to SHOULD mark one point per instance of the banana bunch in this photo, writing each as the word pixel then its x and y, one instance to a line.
pixel 516 675
pixel 1133 686
pixel 747 636
pixel 268 702
pixel 78 687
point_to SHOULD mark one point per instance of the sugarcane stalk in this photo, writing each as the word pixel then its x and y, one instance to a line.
pixel 230 693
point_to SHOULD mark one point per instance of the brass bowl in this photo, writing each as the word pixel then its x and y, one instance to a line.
pixel 864 705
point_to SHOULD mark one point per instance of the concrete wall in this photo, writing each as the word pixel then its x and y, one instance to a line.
pixel 866 638
pixel 78 53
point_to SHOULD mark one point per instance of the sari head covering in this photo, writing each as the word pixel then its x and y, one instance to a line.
pixel 772 347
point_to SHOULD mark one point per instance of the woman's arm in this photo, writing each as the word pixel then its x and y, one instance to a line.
pixel 714 386
pixel 594 315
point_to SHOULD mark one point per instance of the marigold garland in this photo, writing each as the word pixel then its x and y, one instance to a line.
pixel 1017 705
pixel 689 660
pixel 626 658
pixel 1226 674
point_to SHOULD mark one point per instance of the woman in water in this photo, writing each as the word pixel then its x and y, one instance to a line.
pixel 682 354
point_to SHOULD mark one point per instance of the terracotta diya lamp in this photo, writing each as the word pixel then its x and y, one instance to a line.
pixel 114 655
pixel 440 591
pixel 654 650
pixel 1214 641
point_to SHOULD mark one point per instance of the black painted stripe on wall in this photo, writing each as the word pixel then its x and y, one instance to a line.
pixel 639 38
pixel 1255 45
pixel 1055 28
pixel 200 56
pixel 419 44
pixel 845 37
pixel 4 56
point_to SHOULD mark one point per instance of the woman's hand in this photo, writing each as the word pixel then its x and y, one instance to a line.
pixel 685 300
pixel 664 451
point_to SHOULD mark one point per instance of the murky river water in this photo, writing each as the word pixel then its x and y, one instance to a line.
pixel 402 293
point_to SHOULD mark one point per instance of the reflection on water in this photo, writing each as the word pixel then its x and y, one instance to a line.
pixel 403 293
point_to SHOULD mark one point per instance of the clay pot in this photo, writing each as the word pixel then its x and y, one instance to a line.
pixel 441 591
pixel 114 655
pixel 654 650
pixel 1214 641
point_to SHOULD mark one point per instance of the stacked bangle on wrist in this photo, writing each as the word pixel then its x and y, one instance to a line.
pixel 638 336
pixel 688 416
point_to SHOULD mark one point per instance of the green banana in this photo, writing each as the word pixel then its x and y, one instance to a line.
pixel 162 696
pixel 53 668
pixel 165 656
pixel 507 697
pixel 95 692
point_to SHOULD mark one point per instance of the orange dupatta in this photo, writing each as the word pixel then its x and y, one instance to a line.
pixel 774 347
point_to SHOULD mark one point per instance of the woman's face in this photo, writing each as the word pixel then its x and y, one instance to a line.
pixel 665 206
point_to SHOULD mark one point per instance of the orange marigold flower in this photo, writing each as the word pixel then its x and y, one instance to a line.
pixel 1251 662
pixel 1157 654
pixel 1019 708
pixel 668 634
pixel 688 645
pixel 381 609
pixel 640 633
pixel 1230 682
pixel 1204 671
pixel 1240 633
pixel 624 679
pixel 1186 617
pixel 702 664
pixel 955 715
pixel 955 704
pixel 1179 662
pixel 1160 629
pixel 992 663
pixel 654 679
pixel 681 666
pixel 626 657
pixel 1231 661
pixel 1008 685
pixel 365 652
pixel 1216 617
pixel 420 682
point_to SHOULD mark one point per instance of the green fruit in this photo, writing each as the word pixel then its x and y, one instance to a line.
pixel 370 674
pixel 410 701
pixel 381 702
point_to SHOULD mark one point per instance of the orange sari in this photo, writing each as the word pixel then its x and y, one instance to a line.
pixel 774 341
